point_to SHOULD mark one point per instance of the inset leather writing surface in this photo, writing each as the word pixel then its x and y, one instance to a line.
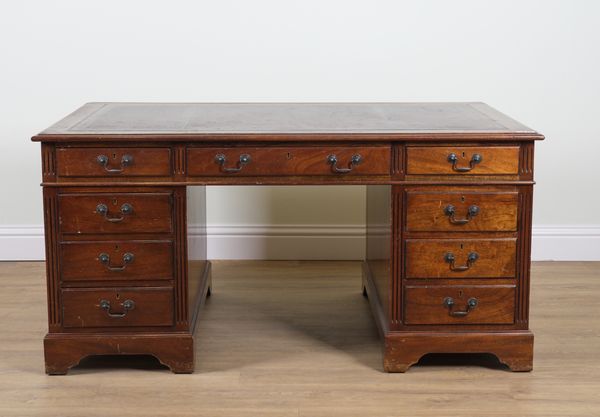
pixel 284 118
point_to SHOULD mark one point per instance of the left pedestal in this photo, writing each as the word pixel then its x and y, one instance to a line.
pixel 120 277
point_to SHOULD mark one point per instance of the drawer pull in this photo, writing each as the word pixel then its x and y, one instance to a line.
pixel 453 159
pixel 332 160
pixel 128 305
pixel 126 160
pixel 449 303
pixel 104 259
pixel 221 159
pixel 102 209
pixel 471 258
pixel 450 211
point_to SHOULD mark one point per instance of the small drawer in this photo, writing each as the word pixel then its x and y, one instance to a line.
pixel 461 258
pixel 462 160
pixel 116 260
pixel 113 161
pixel 114 307
pixel 461 211
pixel 115 213
pixel 292 161
pixel 459 304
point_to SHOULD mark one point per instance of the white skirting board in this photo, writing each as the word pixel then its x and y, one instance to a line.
pixel 318 242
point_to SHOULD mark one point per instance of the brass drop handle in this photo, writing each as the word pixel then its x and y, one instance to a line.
pixel 221 159
pixel 475 159
pixel 104 259
pixel 450 211
pixel 471 258
pixel 102 209
pixel 332 160
pixel 126 161
pixel 449 304
pixel 127 305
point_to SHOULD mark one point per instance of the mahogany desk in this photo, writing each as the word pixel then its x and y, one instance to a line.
pixel 449 200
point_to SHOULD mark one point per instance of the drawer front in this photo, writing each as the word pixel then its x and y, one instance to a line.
pixel 115 213
pixel 116 260
pixel 461 258
pixel 114 307
pixel 113 161
pixel 462 160
pixel 464 304
pixel 340 161
pixel 456 211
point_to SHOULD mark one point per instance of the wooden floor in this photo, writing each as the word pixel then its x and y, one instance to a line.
pixel 297 339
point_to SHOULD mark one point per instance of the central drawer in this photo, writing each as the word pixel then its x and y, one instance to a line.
pixel 117 307
pixel 292 161
pixel 116 260
pixel 115 213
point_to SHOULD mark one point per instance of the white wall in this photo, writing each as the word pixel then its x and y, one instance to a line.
pixel 538 61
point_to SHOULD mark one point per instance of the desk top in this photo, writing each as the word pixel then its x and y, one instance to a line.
pixel 284 121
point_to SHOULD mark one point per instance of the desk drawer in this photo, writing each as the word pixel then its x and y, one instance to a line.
pixel 113 162
pixel 115 213
pixel 461 258
pixel 116 260
pixel 462 160
pixel 292 161
pixel 459 304
pixel 461 211
pixel 117 307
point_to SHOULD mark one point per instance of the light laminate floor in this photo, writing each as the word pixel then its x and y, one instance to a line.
pixel 297 339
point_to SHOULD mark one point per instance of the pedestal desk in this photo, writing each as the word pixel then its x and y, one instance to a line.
pixel 449 200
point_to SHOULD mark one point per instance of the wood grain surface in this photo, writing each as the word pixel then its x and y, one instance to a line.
pixel 424 304
pixel 153 307
pixel 433 160
pixel 426 211
pixel 83 162
pixel 289 160
pixel 151 260
pixel 425 258
pixel 151 213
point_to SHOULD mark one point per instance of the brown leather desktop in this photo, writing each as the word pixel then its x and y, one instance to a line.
pixel 449 201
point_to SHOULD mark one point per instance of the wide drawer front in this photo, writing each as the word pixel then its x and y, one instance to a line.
pixel 459 304
pixel 461 211
pixel 113 161
pixel 91 307
pixel 462 160
pixel 281 160
pixel 115 213
pixel 461 258
pixel 116 260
